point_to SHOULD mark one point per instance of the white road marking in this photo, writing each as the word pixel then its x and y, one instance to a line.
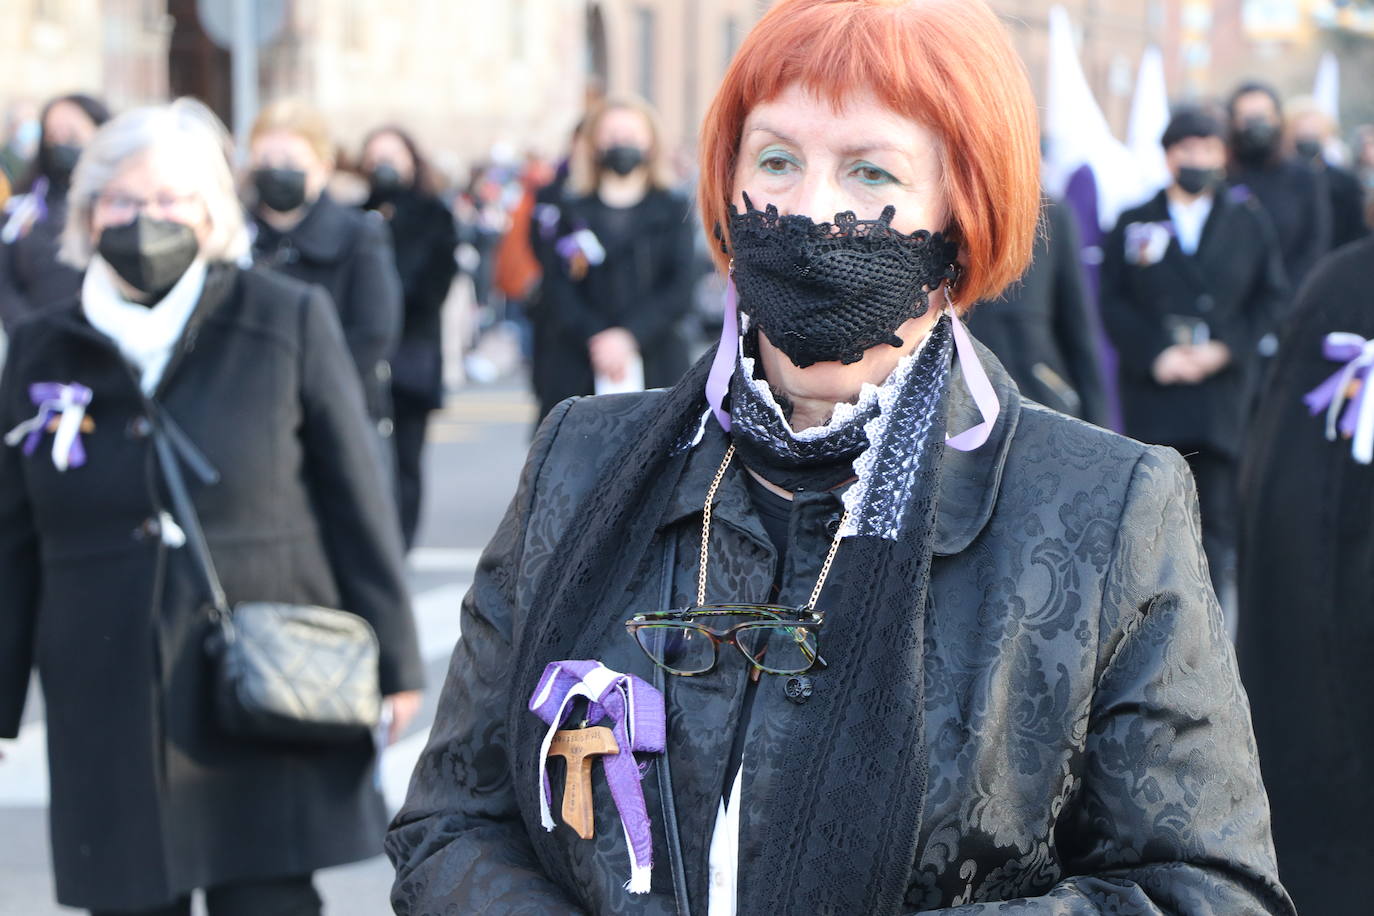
pixel 444 559
pixel 24 769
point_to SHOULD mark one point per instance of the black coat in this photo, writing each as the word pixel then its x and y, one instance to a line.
pixel 1347 206
pixel 31 277
pixel 1306 594
pixel 1234 282
pixel 348 252
pixel 644 286
pixel 1042 328
pixel 1089 744
pixel 1299 208
pixel 149 799
pixel 423 238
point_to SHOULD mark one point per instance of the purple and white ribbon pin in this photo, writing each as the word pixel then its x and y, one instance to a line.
pixel 584 242
pixel 636 717
pixel 1352 416
pixel 66 402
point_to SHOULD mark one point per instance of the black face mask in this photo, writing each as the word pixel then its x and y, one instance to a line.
pixel 1194 180
pixel 385 180
pixel 1256 139
pixel 1308 148
pixel 60 161
pixel 150 254
pixel 622 159
pixel 829 292
pixel 282 190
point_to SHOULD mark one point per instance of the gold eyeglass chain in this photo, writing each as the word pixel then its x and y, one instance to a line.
pixel 706 539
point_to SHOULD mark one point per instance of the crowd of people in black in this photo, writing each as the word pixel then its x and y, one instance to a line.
pixel 287 338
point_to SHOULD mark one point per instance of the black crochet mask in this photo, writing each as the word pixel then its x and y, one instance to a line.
pixel 826 292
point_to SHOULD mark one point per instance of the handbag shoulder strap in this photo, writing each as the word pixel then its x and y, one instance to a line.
pixel 169 439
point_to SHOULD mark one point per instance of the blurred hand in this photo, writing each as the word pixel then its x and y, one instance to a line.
pixel 611 352
pixel 1177 366
pixel 404 707
pixel 1211 357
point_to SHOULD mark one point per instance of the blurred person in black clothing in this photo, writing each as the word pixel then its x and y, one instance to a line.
pixel 22 131
pixel 1290 191
pixel 1306 634
pixel 171 335
pixel 300 230
pixel 1190 281
pixel 1042 329
pixel 622 282
pixel 31 277
pixel 423 237
pixel 1310 131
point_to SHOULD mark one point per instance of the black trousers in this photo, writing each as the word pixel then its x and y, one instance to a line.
pixel 268 897
pixel 411 421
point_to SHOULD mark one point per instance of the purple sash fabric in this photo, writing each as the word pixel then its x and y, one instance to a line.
pixel 1353 417
pixel 634 711
pixel 66 403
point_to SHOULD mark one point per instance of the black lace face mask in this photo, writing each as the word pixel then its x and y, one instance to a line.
pixel 826 292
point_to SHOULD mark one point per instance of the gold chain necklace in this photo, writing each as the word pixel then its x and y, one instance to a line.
pixel 706 538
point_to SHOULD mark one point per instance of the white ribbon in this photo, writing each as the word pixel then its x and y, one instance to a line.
pixel 1363 446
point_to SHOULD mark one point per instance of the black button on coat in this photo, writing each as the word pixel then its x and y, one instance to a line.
pixel 1089 744
pixel 348 252
pixel 149 799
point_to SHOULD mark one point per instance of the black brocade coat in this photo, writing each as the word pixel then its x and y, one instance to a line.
pixel 645 286
pixel 1043 330
pixel 1234 282
pixel 1306 632
pixel 149 799
pixel 348 252
pixel 1090 748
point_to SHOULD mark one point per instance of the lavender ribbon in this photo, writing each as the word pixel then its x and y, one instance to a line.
pixel 581 241
pixel 66 402
pixel 723 367
pixel 637 719
pixel 30 209
pixel 547 217
pixel 975 376
pixel 1352 417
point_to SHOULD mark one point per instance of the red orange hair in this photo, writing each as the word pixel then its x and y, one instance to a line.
pixel 947 64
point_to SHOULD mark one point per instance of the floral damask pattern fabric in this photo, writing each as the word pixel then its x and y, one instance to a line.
pixel 1089 743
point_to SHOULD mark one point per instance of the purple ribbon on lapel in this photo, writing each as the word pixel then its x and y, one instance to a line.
pixel 723 366
pixel 636 717
pixel 581 241
pixel 1352 416
pixel 66 402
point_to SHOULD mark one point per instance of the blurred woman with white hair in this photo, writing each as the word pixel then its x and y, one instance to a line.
pixel 172 348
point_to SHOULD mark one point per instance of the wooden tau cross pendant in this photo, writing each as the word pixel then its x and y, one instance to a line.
pixel 580 746
pixel 87 425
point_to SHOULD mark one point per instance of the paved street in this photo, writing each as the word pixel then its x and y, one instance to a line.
pixel 476 448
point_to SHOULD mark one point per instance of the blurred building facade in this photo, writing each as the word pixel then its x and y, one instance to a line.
pixel 467 74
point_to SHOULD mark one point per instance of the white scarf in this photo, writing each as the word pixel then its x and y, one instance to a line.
pixel 145 335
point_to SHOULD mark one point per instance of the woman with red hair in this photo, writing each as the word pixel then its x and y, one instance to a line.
pixel 841 623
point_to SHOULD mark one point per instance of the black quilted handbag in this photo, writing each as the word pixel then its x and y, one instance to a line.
pixel 285 673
